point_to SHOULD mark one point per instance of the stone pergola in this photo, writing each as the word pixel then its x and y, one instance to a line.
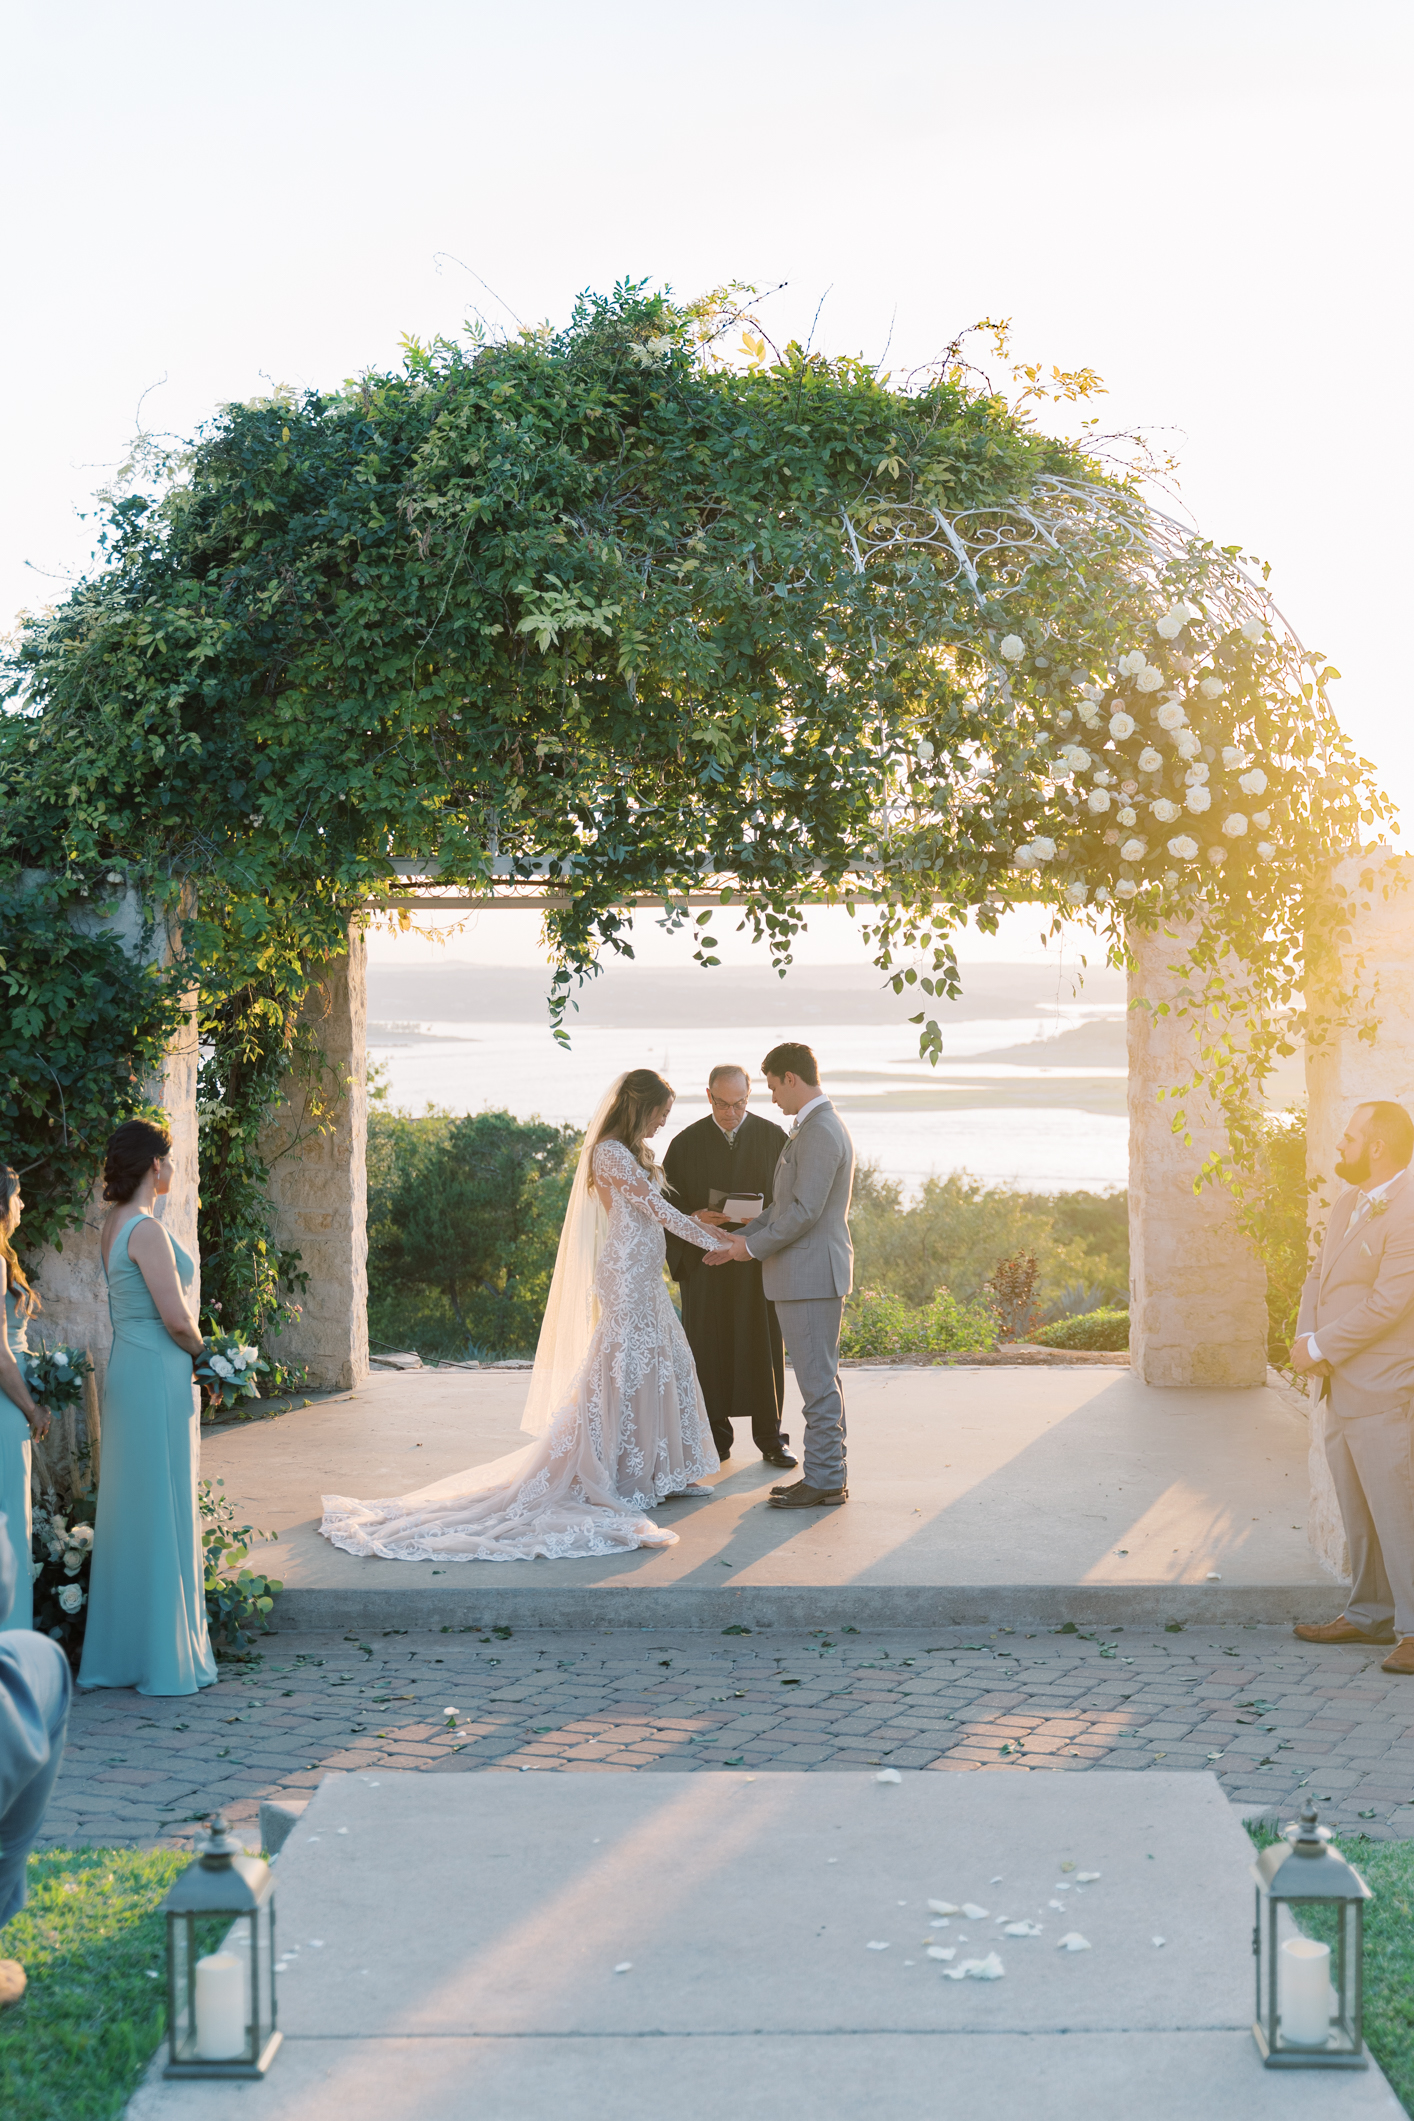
pixel 1197 1290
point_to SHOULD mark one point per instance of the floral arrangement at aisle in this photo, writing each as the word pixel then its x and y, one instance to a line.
pixel 62 1551
pixel 229 1368
pixel 56 1376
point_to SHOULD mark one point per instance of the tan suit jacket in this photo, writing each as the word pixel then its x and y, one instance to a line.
pixel 1359 1301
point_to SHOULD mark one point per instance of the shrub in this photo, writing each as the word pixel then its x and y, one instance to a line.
pixel 1102 1331
pixel 879 1323
pixel 953 1232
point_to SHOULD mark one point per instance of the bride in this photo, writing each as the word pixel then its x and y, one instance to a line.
pixel 614 1397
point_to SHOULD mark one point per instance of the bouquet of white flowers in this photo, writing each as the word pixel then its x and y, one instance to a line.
pixel 62 1552
pixel 229 1369
pixel 56 1376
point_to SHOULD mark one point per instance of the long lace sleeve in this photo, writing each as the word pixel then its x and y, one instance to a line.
pixel 616 1166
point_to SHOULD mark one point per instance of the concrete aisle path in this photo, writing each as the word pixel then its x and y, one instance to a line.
pixel 976 1497
pixel 735 1946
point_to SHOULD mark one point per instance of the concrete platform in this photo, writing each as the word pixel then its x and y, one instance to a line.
pixel 601 1946
pixel 984 1497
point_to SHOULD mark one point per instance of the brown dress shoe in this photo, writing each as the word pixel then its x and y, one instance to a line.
pixel 1342 1630
pixel 1401 1658
pixel 12 1981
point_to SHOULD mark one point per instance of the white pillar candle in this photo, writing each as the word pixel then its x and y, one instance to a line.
pixel 220 2008
pixel 1303 1991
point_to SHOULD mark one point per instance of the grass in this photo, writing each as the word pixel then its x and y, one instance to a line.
pixel 91 2018
pixel 1387 1867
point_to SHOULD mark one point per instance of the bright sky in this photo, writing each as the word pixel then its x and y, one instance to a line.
pixel 1206 200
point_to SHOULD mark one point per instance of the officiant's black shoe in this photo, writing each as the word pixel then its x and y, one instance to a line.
pixel 803 1497
pixel 781 1457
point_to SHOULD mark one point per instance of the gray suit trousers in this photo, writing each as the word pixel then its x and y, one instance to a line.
pixel 810 1327
pixel 1371 1457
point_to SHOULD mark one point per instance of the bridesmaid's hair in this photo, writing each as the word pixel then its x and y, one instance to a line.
pixel 26 1302
pixel 132 1150
pixel 641 1094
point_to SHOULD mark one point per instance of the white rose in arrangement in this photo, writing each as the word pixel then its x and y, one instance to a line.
pixel 1121 726
pixel 1198 800
pixel 250 1355
pixel 56 1552
pixel 1261 819
pixel 1196 773
pixel 1134 850
pixel 1090 692
pixel 1254 631
pixel 1098 801
pixel 73 1561
pixel 1171 715
pixel 1103 777
pixel 1013 647
pixel 1253 783
pixel 222 1368
pixel 1130 665
pixel 1164 810
pixel 1150 760
pixel 1044 850
pixel 1187 744
pixel 1233 757
pixel 71 1598
pixel 1212 688
pixel 1074 757
pixel 1217 856
pixel 1064 718
pixel 925 753
pixel 1149 680
pixel 1090 716
pixel 61 1360
pixel 1172 623
pixel 1265 849
pixel 83 1533
pixel 1126 816
pixel 1102 896
pixel 1235 825
pixel 1077 893
pixel 1183 849
pixel 1126 887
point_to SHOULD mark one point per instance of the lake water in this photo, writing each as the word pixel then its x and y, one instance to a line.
pixel 1013 1122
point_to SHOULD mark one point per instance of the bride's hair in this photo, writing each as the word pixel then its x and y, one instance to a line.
pixel 641 1093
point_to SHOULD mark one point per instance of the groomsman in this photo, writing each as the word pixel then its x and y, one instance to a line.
pixel 1356 1332
pixel 731 1329
pixel 34 1714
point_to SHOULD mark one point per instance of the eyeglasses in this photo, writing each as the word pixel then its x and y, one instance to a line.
pixel 729 1104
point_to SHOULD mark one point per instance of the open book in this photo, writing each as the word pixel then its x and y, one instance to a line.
pixel 737 1207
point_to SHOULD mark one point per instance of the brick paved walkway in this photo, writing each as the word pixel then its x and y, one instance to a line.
pixel 1272 1716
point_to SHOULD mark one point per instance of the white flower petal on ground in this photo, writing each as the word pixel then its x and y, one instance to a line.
pixel 1164 810
pixel 944 1907
pixel 1149 680
pixel 1160 1941
pixel 888 1774
pixel 875 1946
pixel 1171 715
pixel 1072 1941
pixel 1121 726
pixel 973 1912
pixel 1022 1929
pixel 1183 849
pixel 1087 1877
pixel 942 1951
pixel 1253 783
pixel 988 1969
pixel 1198 800
pixel 1012 647
pixel 1235 825
pixel 625 1966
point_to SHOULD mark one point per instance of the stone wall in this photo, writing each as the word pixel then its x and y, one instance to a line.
pixel 1197 1289
pixel 316 1145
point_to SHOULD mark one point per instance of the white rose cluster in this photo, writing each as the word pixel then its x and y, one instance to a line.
pixel 1013 648
pixel 1034 853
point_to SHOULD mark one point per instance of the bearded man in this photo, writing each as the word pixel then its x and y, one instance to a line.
pixel 1356 1332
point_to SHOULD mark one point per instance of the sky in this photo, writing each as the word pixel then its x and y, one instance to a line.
pixel 1208 203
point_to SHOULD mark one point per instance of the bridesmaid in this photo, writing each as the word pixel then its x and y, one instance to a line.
pixel 147 1599
pixel 20 1418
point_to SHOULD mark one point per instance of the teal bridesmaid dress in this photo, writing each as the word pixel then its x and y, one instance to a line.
pixel 147 1599
pixel 14 1477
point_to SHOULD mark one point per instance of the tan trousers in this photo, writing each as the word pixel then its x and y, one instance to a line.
pixel 1371 1457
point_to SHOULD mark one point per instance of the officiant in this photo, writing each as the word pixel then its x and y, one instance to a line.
pixel 731 1328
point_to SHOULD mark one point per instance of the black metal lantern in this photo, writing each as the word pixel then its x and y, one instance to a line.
pixel 221 2008
pixel 1309 1993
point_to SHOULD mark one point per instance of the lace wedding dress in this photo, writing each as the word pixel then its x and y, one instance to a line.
pixel 632 1430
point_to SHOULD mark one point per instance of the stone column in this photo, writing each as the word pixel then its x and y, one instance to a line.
pixel 71 1281
pixel 316 1146
pixel 1360 1045
pixel 1197 1289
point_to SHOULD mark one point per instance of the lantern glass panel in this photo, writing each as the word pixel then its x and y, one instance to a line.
pixel 181 2008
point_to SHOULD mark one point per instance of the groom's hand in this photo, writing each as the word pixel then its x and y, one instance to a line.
pixel 735 1250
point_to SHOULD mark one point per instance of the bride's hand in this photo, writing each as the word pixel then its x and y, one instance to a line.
pixel 712 1217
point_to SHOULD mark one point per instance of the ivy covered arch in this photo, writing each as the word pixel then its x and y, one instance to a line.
pixel 621 604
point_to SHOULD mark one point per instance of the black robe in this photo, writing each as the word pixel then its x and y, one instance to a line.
pixel 731 1327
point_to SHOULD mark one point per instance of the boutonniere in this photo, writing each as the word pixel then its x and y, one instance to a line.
pixel 1379 1207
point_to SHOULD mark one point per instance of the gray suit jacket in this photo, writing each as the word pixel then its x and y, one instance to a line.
pixel 1359 1302
pixel 803 1239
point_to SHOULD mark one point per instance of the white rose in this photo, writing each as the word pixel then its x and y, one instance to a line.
pixel 925 753
pixel 1233 757
pixel 1126 887
pixel 1164 810
pixel 1171 715
pixel 1077 893
pixel 1102 896
pixel 1044 850
pixel 1126 816
pixel 1212 688
pixel 1013 648
pixel 73 1562
pixel 1253 783
pixel 1265 849
pixel 71 1598
pixel 222 1368
pixel 1168 628
pixel 1064 718
pixel 1121 726
pixel 1130 665
pixel 1075 757
pixel 61 1360
pixel 1090 692
pixel 1261 818
pixel 1098 801
pixel 1150 760
pixel 1103 777
pixel 1254 631
pixel 1134 850
pixel 83 1532
pixel 1196 774
pixel 1090 716
pixel 1183 849
pixel 1235 825
pixel 1149 680
pixel 1198 800
pixel 251 1354
pixel 1188 744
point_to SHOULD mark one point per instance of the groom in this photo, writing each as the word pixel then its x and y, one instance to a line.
pixel 807 1261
